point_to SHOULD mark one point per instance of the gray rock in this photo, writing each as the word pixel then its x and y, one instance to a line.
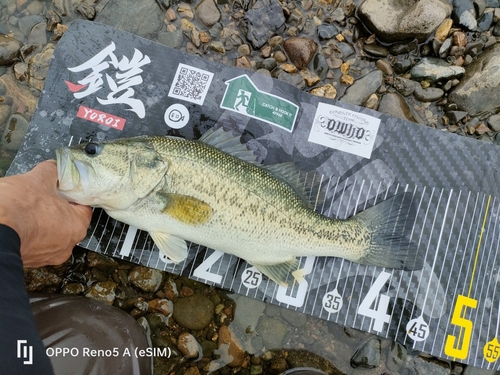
pixel 294 79
pixel 427 95
pixel 26 23
pixel 485 21
pixel 327 31
pixel 38 34
pixel 272 331
pixel 394 104
pixel 346 50
pixel 368 356
pixel 143 18
pixel 429 366
pixel 319 66
pixel 248 312
pixel 455 116
pixel 9 50
pixel 263 21
pixel 396 357
pixel 433 69
pixel 362 88
pixel 464 14
pixel 194 312
pixel 207 12
pixel 295 318
pixel 14 132
pixel 479 89
pixel 394 20
pixel 171 38
pixel 494 122
pixel 404 86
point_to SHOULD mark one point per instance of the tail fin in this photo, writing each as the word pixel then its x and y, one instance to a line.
pixel 390 223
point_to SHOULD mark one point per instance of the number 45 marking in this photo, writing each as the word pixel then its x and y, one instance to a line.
pixel 377 313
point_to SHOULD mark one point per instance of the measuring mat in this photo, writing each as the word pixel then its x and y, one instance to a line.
pixel 104 83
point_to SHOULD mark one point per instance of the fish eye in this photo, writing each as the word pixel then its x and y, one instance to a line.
pixel 93 149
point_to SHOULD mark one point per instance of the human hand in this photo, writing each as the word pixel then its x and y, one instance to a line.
pixel 49 226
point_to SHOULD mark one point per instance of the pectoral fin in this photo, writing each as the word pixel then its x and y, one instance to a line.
pixel 280 272
pixel 173 247
pixel 187 210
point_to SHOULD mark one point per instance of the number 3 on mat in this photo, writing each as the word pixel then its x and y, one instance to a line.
pixel 453 348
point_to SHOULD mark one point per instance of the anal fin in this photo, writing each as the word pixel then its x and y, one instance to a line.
pixel 281 273
pixel 174 248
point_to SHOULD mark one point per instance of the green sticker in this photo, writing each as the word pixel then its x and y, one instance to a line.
pixel 243 97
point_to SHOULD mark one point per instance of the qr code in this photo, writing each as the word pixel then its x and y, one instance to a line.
pixel 190 84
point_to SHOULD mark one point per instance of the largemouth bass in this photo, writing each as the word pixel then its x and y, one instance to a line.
pixel 212 192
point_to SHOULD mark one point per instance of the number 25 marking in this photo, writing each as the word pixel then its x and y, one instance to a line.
pixel 460 351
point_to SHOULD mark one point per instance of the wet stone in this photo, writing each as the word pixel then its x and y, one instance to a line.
pixel 455 116
pixel 227 341
pixel 478 89
pixel 295 318
pixel 143 18
pixel 14 132
pixel 494 122
pixel 39 66
pixel 443 30
pixel 9 49
pixel 394 104
pixel 375 50
pixel 346 50
pixel 434 69
pixel 194 312
pixel 188 345
pixel 396 357
pixel 427 95
pixel 402 66
pixel 403 48
pixel 102 291
pixel 146 279
pixel 393 20
pixel 272 331
pixel 404 86
pixel 319 66
pixel 263 20
pixel 430 366
pixel 327 31
pixel 327 91
pixel 300 51
pixel 368 356
pixel 362 88
pixel 207 12
pixel 293 79
pixel 162 306
pixel 268 64
pixel 385 66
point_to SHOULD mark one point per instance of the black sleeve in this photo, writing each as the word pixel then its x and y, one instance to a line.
pixel 21 349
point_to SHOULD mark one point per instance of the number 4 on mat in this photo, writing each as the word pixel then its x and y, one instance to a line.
pixel 378 313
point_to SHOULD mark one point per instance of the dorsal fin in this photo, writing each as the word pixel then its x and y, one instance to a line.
pixel 288 172
pixel 227 142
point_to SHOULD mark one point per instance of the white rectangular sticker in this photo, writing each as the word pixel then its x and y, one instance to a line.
pixel 344 130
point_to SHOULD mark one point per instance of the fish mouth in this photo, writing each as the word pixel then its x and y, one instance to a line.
pixel 72 174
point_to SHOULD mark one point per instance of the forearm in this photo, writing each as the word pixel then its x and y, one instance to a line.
pixel 16 319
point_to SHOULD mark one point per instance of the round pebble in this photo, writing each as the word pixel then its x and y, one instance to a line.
pixel 194 312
